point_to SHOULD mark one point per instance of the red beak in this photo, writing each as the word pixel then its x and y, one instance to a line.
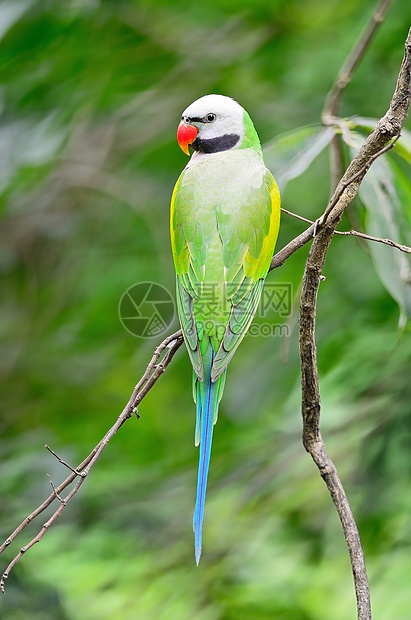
pixel 186 134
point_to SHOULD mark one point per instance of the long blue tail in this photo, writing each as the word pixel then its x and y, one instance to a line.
pixel 207 396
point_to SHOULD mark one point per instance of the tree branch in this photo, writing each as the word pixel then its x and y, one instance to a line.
pixel 377 142
pixel 388 128
pixel 346 183
pixel 355 233
pixel 153 372
pixel 330 110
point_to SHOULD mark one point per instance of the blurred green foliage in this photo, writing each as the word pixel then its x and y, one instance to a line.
pixel 91 94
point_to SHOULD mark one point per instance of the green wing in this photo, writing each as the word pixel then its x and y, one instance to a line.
pixel 222 235
pixel 258 225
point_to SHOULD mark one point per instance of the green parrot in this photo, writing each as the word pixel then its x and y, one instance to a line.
pixel 225 216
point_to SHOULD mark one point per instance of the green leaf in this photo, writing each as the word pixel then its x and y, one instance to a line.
pixel 10 13
pixel 363 122
pixel 403 144
pixel 386 194
pixel 290 154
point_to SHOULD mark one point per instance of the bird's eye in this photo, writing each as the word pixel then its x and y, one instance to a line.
pixel 210 117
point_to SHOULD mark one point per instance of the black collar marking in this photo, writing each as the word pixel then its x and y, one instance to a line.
pixel 192 119
pixel 215 145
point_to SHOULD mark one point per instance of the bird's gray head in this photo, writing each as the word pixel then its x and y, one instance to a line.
pixel 211 124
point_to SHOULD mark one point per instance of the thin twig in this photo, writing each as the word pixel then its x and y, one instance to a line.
pixel 332 101
pixel 60 460
pixel 55 490
pixel 346 187
pixel 393 244
pixel 387 128
pixel 377 142
pixel 354 233
pixel 296 216
pixel 346 72
pixel 359 173
pixel 292 246
pixel 151 375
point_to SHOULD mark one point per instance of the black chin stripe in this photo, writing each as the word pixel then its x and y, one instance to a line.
pixel 215 145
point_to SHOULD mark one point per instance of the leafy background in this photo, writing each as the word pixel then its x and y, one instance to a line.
pixel 91 94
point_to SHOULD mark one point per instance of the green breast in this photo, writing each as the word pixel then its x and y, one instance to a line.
pixel 220 218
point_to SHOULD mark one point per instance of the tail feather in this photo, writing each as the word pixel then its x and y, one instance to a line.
pixel 207 397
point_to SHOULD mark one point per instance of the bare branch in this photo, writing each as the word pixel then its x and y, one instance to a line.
pixel 347 182
pixel 75 471
pixel 355 233
pixel 377 142
pixel 330 111
pixel 153 372
pixel 295 244
pixel 380 140
pixel 359 174
pixel 390 242
pixel 354 58
pixel 55 490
